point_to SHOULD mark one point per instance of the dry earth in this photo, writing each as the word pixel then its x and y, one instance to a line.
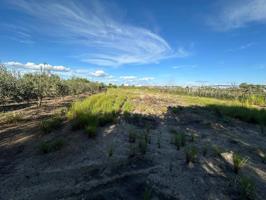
pixel 82 169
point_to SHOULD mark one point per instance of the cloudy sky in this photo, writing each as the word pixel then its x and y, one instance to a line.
pixel 177 42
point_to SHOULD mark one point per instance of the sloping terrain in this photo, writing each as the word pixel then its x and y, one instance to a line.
pixel 136 156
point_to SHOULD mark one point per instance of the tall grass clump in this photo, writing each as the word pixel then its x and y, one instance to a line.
pixel 238 162
pixel 96 110
pixel 48 125
pixel 246 114
pixel 51 146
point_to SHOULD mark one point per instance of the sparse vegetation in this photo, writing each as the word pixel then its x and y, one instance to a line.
pixel 48 125
pixel 191 154
pixel 12 117
pixel 51 146
pixel 247 188
pixel 238 162
pixel 142 144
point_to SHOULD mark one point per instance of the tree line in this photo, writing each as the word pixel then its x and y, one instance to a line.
pixel 16 87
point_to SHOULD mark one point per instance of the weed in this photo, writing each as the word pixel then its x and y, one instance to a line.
pixel 179 140
pixel 246 188
pixel 191 154
pixel 13 117
pixel 48 125
pixel 91 130
pixel 217 150
pixel 110 150
pixel 159 141
pixel 142 146
pixel 193 136
pixel 132 151
pixel 147 194
pixel 238 162
pixel 51 146
pixel 132 136
pixel 205 150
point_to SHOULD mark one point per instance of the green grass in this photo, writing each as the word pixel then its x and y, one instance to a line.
pixel 48 125
pixel 247 114
pixel 238 162
pixel 51 146
pixel 11 117
pixel 191 154
pixel 99 109
pixel 247 188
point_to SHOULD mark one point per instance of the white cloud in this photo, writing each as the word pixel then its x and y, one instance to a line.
pixel 242 47
pixel 98 73
pixel 146 78
pixel 184 66
pixel 110 42
pixel 128 77
pixel 34 66
pixel 239 13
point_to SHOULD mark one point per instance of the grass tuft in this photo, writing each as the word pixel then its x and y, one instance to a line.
pixel 238 162
pixel 48 125
pixel 51 146
pixel 191 154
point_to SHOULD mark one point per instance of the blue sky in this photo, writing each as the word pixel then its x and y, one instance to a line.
pixel 151 42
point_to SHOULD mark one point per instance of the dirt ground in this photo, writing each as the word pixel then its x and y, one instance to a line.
pixel 83 168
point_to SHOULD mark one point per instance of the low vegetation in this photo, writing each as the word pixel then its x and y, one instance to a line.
pixel 48 125
pixel 51 146
pixel 191 154
pixel 238 162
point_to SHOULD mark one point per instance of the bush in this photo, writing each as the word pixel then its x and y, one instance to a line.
pixel 48 125
pixel 238 162
pixel 51 146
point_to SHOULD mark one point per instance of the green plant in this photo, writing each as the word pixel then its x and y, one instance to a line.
pixel 159 141
pixel 132 136
pixel 110 150
pixel 13 117
pixel 48 125
pixel 142 145
pixel 217 150
pixel 191 154
pixel 90 130
pixel 193 136
pixel 51 146
pixel 132 151
pixel 147 194
pixel 247 188
pixel 238 162
pixel 179 140
pixel 205 150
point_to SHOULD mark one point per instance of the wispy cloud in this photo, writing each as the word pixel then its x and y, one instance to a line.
pixel 112 41
pixel 184 66
pixel 238 13
pixel 128 77
pixel 242 47
pixel 34 66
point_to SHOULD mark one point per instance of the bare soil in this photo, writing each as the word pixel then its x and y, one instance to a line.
pixel 82 169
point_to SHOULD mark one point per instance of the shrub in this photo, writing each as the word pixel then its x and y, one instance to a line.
pixel 51 146
pixel 247 188
pixel 191 154
pixel 238 162
pixel 48 125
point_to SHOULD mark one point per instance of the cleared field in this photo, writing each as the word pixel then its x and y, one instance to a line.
pixel 137 144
